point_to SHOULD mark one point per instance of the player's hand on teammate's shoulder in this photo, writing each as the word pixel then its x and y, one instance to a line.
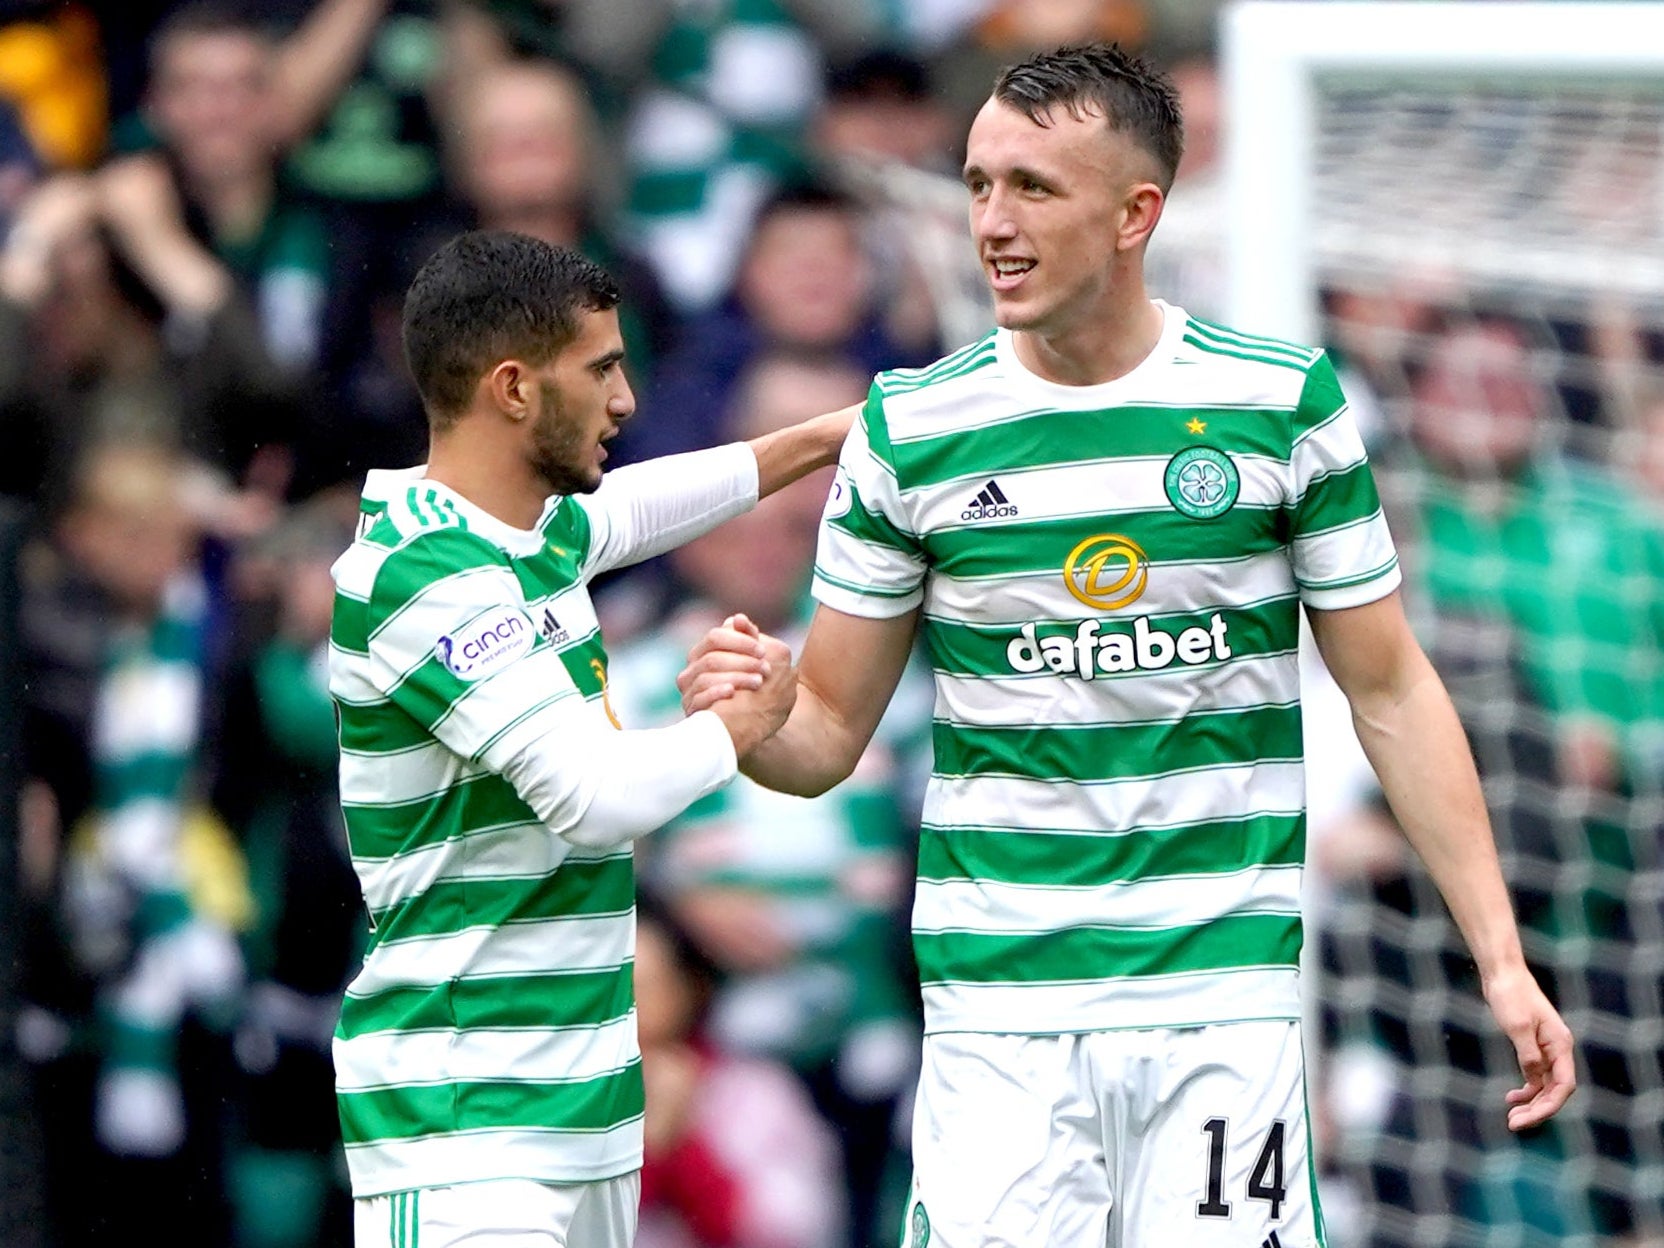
pixel 745 676
pixel 1542 1042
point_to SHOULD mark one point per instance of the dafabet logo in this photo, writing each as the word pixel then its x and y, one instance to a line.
pixel 1107 572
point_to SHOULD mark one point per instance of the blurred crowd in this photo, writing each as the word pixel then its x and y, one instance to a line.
pixel 209 214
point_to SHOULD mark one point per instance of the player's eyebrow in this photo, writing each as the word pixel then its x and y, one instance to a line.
pixel 1017 173
pixel 609 358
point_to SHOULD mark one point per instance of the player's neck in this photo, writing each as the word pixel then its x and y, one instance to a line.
pixel 1096 349
pixel 496 479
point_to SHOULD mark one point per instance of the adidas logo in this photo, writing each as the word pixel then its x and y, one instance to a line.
pixel 551 629
pixel 1271 1241
pixel 989 502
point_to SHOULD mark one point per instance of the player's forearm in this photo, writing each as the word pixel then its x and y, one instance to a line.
pixel 810 754
pixel 656 506
pixel 788 454
pixel 1418 749
pixel 601 789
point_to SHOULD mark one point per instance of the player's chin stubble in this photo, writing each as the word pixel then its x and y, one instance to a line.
pixel 559 446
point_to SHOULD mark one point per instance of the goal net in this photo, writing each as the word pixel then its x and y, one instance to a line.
pixel 1465 202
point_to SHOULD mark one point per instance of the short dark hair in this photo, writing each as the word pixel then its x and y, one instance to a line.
pixel 206 18
pixel 805 196
pixel 1134 97
pixel 883 74
pixel 488 296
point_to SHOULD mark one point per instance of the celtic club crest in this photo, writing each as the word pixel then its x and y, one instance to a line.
pixel 921 1226
pixel 1202 483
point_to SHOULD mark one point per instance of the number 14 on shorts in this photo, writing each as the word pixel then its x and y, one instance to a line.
pixel 1265 1180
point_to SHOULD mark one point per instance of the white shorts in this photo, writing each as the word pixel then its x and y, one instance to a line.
pixel 1114 1139
pixel 506 1213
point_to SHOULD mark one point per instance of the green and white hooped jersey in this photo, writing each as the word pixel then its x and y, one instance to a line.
pixel 1110 579
pixel 491 1032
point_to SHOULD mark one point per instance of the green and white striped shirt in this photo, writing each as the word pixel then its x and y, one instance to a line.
pixel 1110 579
pixel 491 1033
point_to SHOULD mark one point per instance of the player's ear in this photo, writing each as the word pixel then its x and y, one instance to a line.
pixel 510 387
pixel 1140 210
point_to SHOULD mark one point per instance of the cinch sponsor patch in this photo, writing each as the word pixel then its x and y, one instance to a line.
pixel 487 643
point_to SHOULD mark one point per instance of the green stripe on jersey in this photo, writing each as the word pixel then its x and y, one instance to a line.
pixel 1086 753
pixel 1084 859
pixel 471 805
pixel 1340 498
pixel 1078 954
pixel 576 888
pixel 866 525
pixel 1041 545
pixel 379 728
pixel 349 625
pixel 416 565
pixel 1320 399
pixel 500 1001
pixel 410 1111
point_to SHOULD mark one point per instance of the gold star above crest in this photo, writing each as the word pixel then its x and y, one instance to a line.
pixel 1197 425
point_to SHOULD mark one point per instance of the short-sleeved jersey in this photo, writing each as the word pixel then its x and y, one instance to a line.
pixel 1110 579
pixel 491 1032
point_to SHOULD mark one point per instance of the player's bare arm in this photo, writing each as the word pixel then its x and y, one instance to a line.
pixel 788 454
pixel 849 669
pixel 1410 732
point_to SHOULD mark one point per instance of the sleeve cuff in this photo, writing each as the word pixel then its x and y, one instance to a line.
pixel 1353 594
pixel 867 606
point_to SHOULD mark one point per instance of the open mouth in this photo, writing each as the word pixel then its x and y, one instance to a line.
pixel 1008 272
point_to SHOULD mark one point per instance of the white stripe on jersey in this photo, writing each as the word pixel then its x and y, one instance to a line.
pixel 1177 901
pixel 1204 796
pixel 1251 681
pixel 479 1156
pixel 532 1054
pixel 1192 1000
pixel 590 942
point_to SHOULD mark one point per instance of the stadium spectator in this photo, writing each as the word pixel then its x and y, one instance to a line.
pixel 111 332
pixel 1008 30
pixel 1561 553
pixel 1186 264
pixel 806 284
pixel 212 103
pixel 714 131
pixel 798 902
pixel 152 885
pixel 879 106
pixel 276 786
pixel 736 1157
pixel 882 134
pixel 525 158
